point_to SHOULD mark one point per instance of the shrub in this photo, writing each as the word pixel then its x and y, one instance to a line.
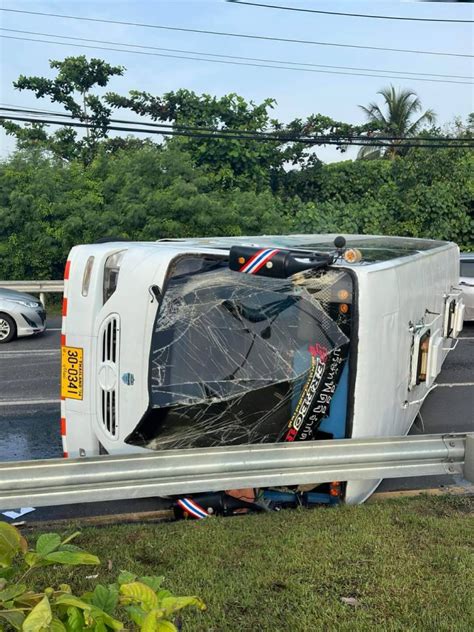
pixel 142 601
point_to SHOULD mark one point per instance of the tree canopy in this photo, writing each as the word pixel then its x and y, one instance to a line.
pixel 61 187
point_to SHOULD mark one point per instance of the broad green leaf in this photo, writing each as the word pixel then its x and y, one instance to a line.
pixel 173 604
pixel 150 621
pixel 32 559
pixel 136 614
pixel 14 617
pixel 10 592
pixel 72 558
pixel 39 618
pixel 161 594
pixel 141 593
pixel 100 615
pixel 69 547
pixel 47 543
pixel 10 544
pixel 75 619
pixel 153 581
pixel 70 600
pixel 125 577
pixel 105 598
pixel 57 625
pixel 29 598
pixel 166 626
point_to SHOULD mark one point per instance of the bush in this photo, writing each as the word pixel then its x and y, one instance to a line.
pixel 141 600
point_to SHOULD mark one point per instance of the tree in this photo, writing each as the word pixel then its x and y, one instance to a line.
pixel 242 161
pixel 48 205
pixel 401 106
pixel 72 88
pixel 425 194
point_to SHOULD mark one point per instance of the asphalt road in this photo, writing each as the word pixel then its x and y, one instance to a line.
pixel 30 412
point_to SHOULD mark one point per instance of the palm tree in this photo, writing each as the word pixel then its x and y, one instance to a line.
pixel 398 121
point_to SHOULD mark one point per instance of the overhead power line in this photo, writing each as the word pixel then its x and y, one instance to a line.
pixel 238 63
pixel 351 15
pixel 316 140
pixel 239 35
pixel 238 57
pixel 279 135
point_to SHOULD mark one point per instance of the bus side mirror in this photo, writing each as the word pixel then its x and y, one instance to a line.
pixel 273 262
pixel 453 315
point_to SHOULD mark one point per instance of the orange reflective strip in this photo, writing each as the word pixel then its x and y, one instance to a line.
pixel 63 340
pixel 66 455
pixel 64 306
pixel 63 427
pixel 66 270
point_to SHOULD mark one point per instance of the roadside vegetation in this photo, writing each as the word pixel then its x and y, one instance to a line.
pixel 404 564
pixel 63 186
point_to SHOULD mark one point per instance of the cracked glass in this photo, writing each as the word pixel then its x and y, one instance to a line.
pixel 239 359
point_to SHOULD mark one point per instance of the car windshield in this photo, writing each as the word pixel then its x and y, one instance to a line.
pixel 232 355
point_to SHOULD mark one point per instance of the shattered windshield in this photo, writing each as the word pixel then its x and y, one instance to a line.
pixel 237 358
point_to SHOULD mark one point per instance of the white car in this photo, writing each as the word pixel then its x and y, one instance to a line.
pixel 20 315
pixel 466 282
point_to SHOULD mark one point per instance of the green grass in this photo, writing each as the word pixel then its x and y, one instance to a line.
pixel 407 562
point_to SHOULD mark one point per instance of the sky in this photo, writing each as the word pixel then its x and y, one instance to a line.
pixel 298 94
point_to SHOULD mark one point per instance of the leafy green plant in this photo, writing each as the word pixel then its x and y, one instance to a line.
pixel 142 600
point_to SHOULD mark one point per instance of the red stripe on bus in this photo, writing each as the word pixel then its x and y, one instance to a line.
pixel 66 270
pixel 64 306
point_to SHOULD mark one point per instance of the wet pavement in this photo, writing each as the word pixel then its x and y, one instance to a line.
pixel 29 396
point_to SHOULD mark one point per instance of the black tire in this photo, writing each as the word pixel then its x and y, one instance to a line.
pixel 7 328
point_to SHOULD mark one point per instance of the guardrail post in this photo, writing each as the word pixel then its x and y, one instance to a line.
pixel 469 458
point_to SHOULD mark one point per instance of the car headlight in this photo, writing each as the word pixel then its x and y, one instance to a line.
pixel 25 303
pixel 111 273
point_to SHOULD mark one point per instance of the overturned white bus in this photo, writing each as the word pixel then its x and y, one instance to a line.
pixel 204 342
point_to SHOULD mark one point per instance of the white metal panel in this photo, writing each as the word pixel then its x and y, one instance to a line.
pixel 392 296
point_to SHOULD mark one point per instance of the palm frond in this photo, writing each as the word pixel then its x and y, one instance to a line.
pixel 400 108
pixel 428 117
pixel 369 152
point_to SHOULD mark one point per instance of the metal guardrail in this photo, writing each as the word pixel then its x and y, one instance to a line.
pixel 37 287
pixel 175 472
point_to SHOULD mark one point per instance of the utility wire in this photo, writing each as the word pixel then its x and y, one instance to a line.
pixel 254 59
pixel 241 35
pixel 238 63
pixel 352 15
pixel 257 137
pixel 289 135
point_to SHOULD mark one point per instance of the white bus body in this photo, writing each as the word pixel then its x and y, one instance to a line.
pixel 405 311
